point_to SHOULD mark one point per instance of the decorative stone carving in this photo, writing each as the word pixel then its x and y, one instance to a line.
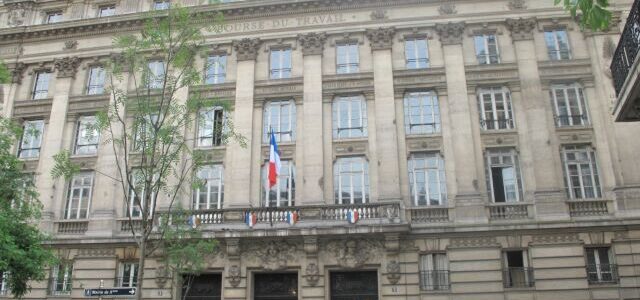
pixel 393 272
pixel 353 253
pixel 474 242
pixel 273 255
pixel 312 43
pixel 233 247
pixel 379 14
pixel 568 238
pixel 608 50
pixel 447 8
pixel 521 29
pixel 19 12
pixel 311 246
pixel 233 275
pixel 381 38
pixel 517 4
pixel 162 275
pixel 17 72
pixel 96 252
pixel 71 44
pixel 66 66
pixel 597 238
pixel 312 274
pixel 247 49
pixel 450 33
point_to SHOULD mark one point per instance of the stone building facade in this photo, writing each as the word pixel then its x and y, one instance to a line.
pixel 474 139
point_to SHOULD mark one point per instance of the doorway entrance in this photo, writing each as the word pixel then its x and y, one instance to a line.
pixel 361 285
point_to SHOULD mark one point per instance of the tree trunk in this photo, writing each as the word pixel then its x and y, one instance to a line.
pixel 141 260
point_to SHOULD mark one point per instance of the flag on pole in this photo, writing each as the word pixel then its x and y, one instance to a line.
pixel 292 217
pixel 353 216
pixel 274 162
pixel 250 218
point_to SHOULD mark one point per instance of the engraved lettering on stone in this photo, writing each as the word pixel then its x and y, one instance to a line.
pixel 281 23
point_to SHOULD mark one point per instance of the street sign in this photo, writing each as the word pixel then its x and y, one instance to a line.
pixel 110 292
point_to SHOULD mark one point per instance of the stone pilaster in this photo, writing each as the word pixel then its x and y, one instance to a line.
pixel 313 154
pixel 10 89
pixel 468 201
pixel 386 138
pixel 539 124
pixel 240 158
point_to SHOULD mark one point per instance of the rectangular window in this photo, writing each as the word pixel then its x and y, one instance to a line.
pixel 210 192
pixel 416 53
pixel 557 44
pixel 348 60
pixel 128 275
pixel 494 105
pixel 283 193
pixel 581 172
pixel 600 266
pixel 60 281
pixel 87 136
pixel 427 180
pixel 4 283
pixel 279 118
pixel 570 107
pixel 280 63
pixel 107 10
pixel 503 175
pixel 79 196
pixel 95 84
pixel 138 194
pixel 144 132
pixel 32 132
pixel 53 17
pixel 487 49
pixel 351 180
pixel 155 74
pixel 421 113
pixel 161 5
pixel 216 69
pixel 516 273
pixel 211 122
pixel 434 272
pixel 41 85
pixel 349 117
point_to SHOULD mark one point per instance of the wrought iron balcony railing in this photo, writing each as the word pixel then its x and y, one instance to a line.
pixel 625 55
pixel 602 273
pixel 497 124
pixel 572 120
pixel 518 277
pixel 437 280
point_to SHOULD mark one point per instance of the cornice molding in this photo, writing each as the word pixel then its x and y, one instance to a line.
pixel 381 38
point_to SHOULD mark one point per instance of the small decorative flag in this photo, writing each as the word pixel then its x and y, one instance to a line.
pixel 353 216
pixel 274 162
pixel 292 217
pixel 194 221
pixel 250 218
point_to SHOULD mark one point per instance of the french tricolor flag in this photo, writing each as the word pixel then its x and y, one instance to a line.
pixel 250 218
pixel 274 162
pixel 292 217
pixel 353 216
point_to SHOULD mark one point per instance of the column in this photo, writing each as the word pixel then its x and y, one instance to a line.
pixel 547 181
pixel 10 90
pixel 468 201
pixel 52 190
pixel 312 138
pixel 386 158
pixel 239 156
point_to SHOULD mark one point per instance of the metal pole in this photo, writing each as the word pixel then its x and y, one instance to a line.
pixel 101 287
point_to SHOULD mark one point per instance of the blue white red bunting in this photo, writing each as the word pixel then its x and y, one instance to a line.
pixel 353 216
pixel 250 218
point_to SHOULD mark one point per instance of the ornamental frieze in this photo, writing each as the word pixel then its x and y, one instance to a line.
pixel 421 144
pixel 348 148
pixel 575 135
pixel 96 252
pixel 499 139
pixel 561 238
pixel 355 252
pixel 271 255
pixel 474 242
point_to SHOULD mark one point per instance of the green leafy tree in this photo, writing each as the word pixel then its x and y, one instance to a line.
pixel 24 256
pixel 594 14
pixel 147 126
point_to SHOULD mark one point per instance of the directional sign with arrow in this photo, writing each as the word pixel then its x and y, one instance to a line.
pixel 113 292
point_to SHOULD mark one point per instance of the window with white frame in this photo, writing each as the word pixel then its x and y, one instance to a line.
pixel 503 175
pixel 581 172
pixel 41 85
pixel 494 104
pixel 280 63
pixel 128 274
pixel 557 44
pixel 60 281
pixel 487 49
pixel 161 4
pixel 351 180
pixel 209 194
pixel 416 53
pixel 347 58
pixel 279 118
pixel 32 132
pixel 349 117
pixel 144 131
pixel 95 84
pixel 138 194
pixel 600 265
pixel 53 17
pixel 155 74
pixel 79 196
pixel 516 273
pixel 211 122
pixel 4 283
pixel 427 180
pixel 283 193
pixel 216 69
pixel 421 113
pixel 107 10
pixel 87 136
pixel 570 106
pixel 434 272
